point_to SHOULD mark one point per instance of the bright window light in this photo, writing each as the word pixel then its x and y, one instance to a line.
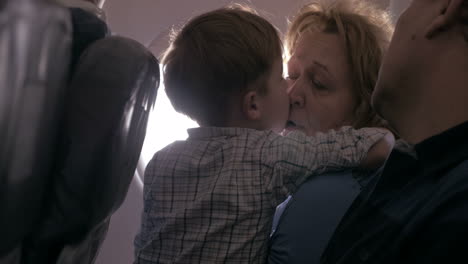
pixel 165 126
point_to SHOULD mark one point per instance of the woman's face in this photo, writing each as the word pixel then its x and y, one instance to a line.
pixel 320 84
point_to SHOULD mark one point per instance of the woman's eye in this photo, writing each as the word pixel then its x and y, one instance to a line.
pixel 318 84
pixel 291 78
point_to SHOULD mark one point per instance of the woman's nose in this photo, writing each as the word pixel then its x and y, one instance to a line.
pixel 296 99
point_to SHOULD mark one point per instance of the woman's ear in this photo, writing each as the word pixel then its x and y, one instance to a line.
pixel 449 14
pixel 251 105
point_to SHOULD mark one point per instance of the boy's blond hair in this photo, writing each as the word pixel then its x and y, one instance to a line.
pixel 366 32
pixel 216 57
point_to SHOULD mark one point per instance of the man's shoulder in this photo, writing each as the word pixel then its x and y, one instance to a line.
pixel 448 201
pixel 460 168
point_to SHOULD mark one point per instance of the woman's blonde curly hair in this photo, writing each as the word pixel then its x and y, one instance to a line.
pixel 366 32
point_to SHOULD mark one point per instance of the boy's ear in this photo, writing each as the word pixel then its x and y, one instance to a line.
pixel 251 105
pixel 449 14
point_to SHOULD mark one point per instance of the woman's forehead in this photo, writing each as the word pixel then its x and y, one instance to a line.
pixel 320 49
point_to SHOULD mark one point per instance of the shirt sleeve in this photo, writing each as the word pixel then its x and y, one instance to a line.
pixel 295 157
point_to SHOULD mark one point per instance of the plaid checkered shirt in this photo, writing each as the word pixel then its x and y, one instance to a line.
pixel 211 198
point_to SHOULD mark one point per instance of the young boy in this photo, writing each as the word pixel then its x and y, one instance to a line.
pixel 211 198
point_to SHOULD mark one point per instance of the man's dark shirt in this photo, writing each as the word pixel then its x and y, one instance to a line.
pixel 416 211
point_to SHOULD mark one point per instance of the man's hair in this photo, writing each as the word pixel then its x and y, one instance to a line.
pixel 217 56
pixel 366 32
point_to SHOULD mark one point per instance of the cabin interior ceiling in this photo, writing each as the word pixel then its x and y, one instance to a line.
pixel 150 21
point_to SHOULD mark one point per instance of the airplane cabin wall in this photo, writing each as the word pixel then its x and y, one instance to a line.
pixel 148 20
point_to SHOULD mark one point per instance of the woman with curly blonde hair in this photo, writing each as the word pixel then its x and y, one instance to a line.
pixel 333 51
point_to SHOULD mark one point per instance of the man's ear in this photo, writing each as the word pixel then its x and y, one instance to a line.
pixel 251 105
pixel 449 14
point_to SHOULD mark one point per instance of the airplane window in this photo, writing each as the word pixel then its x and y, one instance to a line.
pixel 165 126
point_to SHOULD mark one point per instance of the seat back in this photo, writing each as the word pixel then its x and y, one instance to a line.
pixel 69 147
pixel 110 96
pixel 116 80
pixel 34 50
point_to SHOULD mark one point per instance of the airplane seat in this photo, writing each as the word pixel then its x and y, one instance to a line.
pixel 109 100
pixel 57 194
pixel 87 28
pixel 34 50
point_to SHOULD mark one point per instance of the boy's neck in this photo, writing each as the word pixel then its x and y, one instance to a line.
pixel 245 124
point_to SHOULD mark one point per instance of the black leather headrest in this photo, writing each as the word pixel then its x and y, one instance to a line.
pixel 109 100
pixel 87 29
pixel 33 66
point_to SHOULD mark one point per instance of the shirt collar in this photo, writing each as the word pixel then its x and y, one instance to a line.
pixel 429 158
pixel 444 150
